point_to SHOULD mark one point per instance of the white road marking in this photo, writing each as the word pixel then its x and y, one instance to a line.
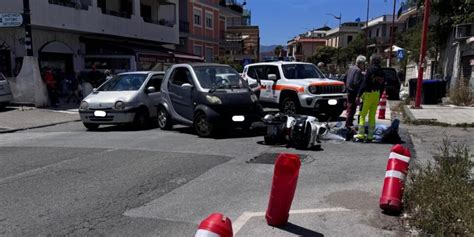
pixel 246 216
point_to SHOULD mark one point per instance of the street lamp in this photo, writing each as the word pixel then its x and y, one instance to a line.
pixel 336 17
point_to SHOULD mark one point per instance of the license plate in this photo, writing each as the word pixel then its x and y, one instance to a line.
pixel 99 113
pixel 332 102
pixel 272 130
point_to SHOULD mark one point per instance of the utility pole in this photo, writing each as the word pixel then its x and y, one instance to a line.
pixel 421 60
pixel 367 30
pixel 27 23
pixel 392 34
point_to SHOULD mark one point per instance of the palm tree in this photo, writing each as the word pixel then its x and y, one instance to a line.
pixel 278 50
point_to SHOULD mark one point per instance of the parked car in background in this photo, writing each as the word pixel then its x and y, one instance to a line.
pixel 392 83
pixel 209 97
pixel 297 88
pixel 5 92
pixel 128 98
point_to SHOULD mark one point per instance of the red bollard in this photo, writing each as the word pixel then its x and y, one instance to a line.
pixel 285 178
pixel 215 225
pixel 397 169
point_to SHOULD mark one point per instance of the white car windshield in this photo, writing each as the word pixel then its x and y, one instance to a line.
pixel 124 82
pixel 219 77
pixel 301 71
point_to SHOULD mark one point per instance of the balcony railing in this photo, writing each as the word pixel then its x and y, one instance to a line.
pixel 115 13
pixel 162 22
pixel 406 6
pixel 184 26
pixel 70 3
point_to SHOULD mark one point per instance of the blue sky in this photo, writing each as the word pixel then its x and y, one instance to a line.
pixel 281 20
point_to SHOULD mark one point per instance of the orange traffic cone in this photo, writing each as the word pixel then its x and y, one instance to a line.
pixel 383 105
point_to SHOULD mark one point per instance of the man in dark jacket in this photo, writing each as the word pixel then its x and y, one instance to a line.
pixel 353 82
pixel 370 91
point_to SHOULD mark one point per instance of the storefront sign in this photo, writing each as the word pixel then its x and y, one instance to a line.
pixel 11 19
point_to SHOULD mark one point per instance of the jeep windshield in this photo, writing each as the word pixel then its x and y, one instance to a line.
pixel 219 77
pixel 301 71
pixel 124 82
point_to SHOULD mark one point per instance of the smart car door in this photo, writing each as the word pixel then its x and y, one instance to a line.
pixel 180 92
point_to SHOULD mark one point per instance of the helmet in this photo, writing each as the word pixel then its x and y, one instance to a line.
pixel 301 134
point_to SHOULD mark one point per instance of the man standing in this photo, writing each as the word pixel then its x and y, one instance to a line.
pixel 369 92
pixel 353 81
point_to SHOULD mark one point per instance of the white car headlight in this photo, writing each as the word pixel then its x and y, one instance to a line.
pixel 254 98
pixel 119 105
pixel 313 89
pixel 84 105
pixel 213 99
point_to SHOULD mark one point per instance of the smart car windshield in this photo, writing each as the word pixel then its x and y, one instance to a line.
pixel 124 82
pixel 301 71
pixel 219 77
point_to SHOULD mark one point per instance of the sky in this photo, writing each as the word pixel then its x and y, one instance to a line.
pixel 281 20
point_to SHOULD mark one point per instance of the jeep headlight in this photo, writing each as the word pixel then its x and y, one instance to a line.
pixel 119 105
pixel 84 105
pixel 313 89
pixel 213 99
pixel 254 98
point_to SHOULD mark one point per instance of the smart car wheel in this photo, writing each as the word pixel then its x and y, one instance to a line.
pixel 164 119
pixel 202 126
pixel 91 126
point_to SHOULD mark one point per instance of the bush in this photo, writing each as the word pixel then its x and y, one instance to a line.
pixel 461 94
pixel 439 197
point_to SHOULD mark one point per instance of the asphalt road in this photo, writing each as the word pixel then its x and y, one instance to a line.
pixel 63 180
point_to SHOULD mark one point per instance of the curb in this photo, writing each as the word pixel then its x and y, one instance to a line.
pixel 409 114
pixel 39 126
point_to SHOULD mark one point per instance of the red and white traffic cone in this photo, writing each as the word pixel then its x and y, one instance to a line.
pixel 383 105
pixel 397 170
pixel 215 225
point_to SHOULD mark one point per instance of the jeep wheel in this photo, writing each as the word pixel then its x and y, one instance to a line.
pixel 289 105
pixel 202 126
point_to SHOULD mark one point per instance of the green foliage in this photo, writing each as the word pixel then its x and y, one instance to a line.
pixel 229 61
pixel 439 196
pixel 324 54
pixel 277 51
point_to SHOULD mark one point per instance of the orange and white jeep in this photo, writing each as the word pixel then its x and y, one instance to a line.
pixel 297 88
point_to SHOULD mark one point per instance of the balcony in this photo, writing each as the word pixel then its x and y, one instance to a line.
pixel 114 20
pixel 77 4
pixel 184 26
pixel 158 12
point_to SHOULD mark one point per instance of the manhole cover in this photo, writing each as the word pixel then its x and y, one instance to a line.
pixel 270 158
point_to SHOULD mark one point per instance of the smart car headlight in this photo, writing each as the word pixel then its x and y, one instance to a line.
pixel 84 105
pixel 213 99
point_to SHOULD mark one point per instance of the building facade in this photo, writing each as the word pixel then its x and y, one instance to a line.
pixel 378 31
pixel 340 37
pixel 305 45
pixel 73 36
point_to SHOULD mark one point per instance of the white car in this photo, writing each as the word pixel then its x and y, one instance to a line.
pixel 296 87
pixel 128 98
pixel 5 92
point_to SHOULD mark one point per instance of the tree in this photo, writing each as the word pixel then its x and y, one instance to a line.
pixel 324 54
pixel 278 50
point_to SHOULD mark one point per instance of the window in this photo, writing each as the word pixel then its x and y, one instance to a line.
pixel 197 17
pixel 145 11
pixel 262 72
pixel 197 50
pixel 209 20
pixel 155 81
pixel 349 38
pixel 378 33
pixel 273 70
pixel 181 76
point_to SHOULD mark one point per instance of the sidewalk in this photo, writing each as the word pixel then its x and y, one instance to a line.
pixel 448 114
pixel 14 119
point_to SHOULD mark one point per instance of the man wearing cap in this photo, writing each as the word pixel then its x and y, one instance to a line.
pixel 369 92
